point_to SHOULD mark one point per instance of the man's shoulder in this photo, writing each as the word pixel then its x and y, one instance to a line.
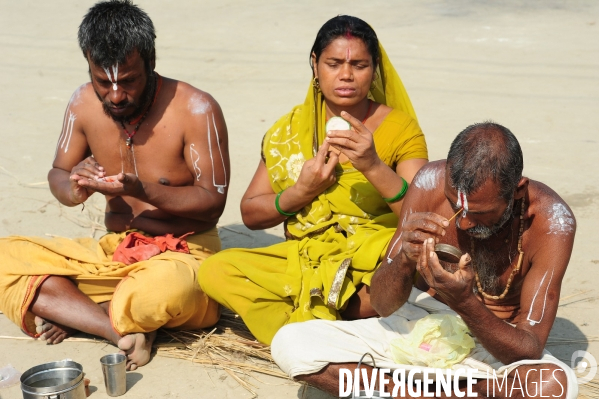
pixel 550 211
pixel 83 96
pixel 186 96
pixel 431 176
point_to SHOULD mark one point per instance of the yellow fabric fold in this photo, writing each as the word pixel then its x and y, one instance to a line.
pixel 144 296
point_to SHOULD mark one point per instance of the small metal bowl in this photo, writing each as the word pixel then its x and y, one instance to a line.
pixel 448 253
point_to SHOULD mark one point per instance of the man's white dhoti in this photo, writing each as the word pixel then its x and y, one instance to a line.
pixel 308 347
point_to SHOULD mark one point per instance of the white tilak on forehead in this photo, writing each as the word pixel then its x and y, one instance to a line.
pixel 115 72
pixel 462 202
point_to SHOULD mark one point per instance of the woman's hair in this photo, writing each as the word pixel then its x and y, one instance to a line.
pixel 346 26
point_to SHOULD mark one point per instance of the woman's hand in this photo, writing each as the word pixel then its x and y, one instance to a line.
pixel 356 144
pixel 318 173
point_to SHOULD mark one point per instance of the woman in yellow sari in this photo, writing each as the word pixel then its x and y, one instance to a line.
pixel 338 192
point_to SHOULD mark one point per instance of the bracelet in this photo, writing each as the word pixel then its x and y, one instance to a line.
pixel 282 212
pixel 400 194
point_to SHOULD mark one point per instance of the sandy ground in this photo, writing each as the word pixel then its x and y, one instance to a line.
pixel 530 65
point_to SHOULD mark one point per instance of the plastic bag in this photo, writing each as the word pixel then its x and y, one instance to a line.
pixel 437 340
pixel 9 376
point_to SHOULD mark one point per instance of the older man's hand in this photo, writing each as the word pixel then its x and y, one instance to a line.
pixel 419 227
pixel 454 288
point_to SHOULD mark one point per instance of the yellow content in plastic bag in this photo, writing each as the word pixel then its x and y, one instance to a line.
pixel 437 340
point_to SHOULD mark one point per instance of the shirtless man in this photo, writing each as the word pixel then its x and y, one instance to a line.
pixel 516 236
pixel 157 149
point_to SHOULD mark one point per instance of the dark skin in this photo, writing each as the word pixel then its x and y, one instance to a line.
pixel 172 192
pixel 162 154
pixel 345 71
pixel 424 221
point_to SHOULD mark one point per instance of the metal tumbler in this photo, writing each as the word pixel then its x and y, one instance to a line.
pixel 115 377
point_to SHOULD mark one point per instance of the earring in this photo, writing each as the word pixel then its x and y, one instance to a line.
pixel 316 84
pixel 373 84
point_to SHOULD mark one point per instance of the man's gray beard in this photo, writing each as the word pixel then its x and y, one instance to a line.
pixel 486 264
pixel 485 260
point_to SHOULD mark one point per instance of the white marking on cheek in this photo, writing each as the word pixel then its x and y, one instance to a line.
pixel 561 221
pixel 530 320
pixel 195 158
pixel 198 106
pixel 427 179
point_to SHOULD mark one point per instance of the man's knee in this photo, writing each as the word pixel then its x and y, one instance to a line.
pixel 291 348
pixel 541 380
pixel 162 280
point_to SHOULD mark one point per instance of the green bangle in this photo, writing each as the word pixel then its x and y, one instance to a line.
pixel 400 194
pixel 282 212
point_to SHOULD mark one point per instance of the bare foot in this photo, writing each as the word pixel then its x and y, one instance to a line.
pixel 137 347
pixel 52 333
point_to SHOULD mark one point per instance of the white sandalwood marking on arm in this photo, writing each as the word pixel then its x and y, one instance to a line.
pixel 427 179
pixel 195 158
pixel 389 259
pixel 198 105
pixel 561 220
pixel 219 187
pixel 533 303
pixel 68 131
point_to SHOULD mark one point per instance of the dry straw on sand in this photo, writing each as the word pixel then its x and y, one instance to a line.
pixel 228 346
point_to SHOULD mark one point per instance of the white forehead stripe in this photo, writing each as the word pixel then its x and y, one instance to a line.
pixel 115 72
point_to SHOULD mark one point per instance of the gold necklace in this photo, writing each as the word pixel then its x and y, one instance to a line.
pixel 516 269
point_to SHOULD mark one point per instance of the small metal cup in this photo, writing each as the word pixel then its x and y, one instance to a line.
pixel 114 368
pixel 448 253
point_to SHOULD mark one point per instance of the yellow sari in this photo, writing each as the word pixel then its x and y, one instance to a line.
pixel 338 240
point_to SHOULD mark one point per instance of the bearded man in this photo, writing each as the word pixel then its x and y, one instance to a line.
pixel 500 297
pixel 157 149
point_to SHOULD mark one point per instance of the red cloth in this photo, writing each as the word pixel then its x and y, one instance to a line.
pixel 137 247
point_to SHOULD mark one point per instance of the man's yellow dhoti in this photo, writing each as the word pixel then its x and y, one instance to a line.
pixel 158 292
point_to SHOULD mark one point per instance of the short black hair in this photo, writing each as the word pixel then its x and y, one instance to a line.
pixel 112 30
pixel 485 151
pixel 346 25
